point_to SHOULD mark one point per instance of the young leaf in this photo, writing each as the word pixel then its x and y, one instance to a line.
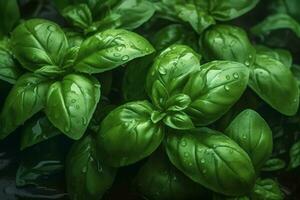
pixel 267 189
pixel 9 15
pixel 295 156
pixel 109 49
pixel 178 120
pixel 39 42
pixel 272 81
pixel 212 159
pixel 169 73
pixel 158 179
pixel 36 131
pixel 128 135
pixel 225 42
pixel 273 164
pixel 253 134
pixel 72 102
pixel 214 89
pixel 26 98
pixel 86 175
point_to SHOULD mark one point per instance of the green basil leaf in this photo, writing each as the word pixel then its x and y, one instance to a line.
pixel 197 18
pixel 39 42
pixel 282 55
pixel 276 22
pixel 50 71
pixel 158 179
pixel 175 34
pixel 9 69
pixel 9 15
pixel 86 175
pixel 294 156
pixel 132 123
pixel 169 73
pixel 110 49
pixel 72 102
pixel 271 80
pixel 78 15
pixel 225 42
pixel 267 189
pixel 26 98
pixel 215 89
pixel 226 10
pixel 253 134
pixel 212 159
pixel 36 131
pixel 75 39
pixel 220 197
pixel 134 13
pixel 273 164
pixel 178 120
pixel 178 102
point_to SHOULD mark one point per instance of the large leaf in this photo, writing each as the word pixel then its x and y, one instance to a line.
pixel 78 15
pixel 267 189
pixel 39 42
pixel 86 175
pixel 128 134
pixel 275 84
pixel 158 179
pixel 225 42
pixel 214 89
pixel 109 49
pixel 213 160
pixel 72 102
pixel 9 15
pixel 253 134
pixel 26 98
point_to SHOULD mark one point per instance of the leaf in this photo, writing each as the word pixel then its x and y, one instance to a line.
pixel 220 197
pixel 39 42
pixel 9 15
pixel 295 156
pixel 133 13
pixel 178 120
pixel 226 42
pixel 36 131
pixel 197 18
pixel 273 164
pixel 9 69
pixel 226 10
pixel 267 189
pixel 132 123
pixel 169 73
pixel 276 22
pixel 87 176
pixel 78 15
pixel 282 55
pixel 271 80
pixel 50 71
pixel 71 103
pixel 109 49
pixel 212 159
pixel 214 90
pixel 175 34
pixel 158 179
pixel 26 98
pixel 252 133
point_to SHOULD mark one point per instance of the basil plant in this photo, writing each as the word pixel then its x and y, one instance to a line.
pixel 184 95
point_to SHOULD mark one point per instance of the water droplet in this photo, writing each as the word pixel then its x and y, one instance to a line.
pixel 183 143
pixel 162 71
pixel 84 169
pixel 202 161
pixel 227 77
pixel 125 58
pixel 250 56
pixel 186 154
pixel 226 87
pixel 73 100
pixel 244 137
pixel 190 164
pixel 247 63
pixel 97 85
pixel 152 73
pixel 117 54
pixel 236 75
pixel 84 121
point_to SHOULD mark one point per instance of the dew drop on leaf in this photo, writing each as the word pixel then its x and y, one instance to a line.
pixel 183 143
pixel 226 87
pixel 125 58
pixel 236 75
